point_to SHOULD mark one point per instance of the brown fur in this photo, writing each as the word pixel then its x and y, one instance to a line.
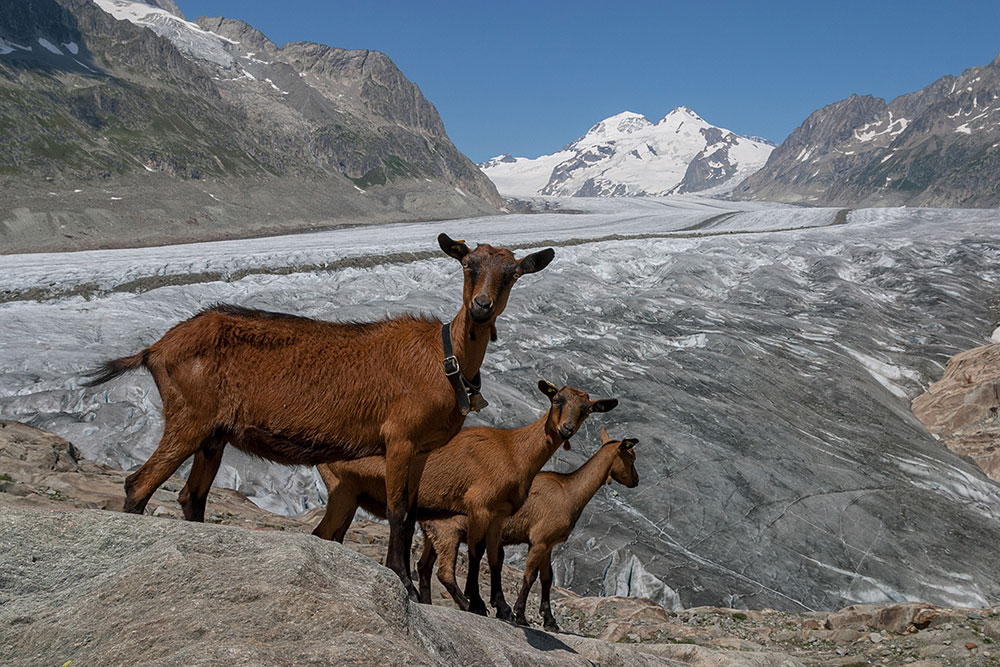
pixel 482 473
pixel 300 391
pixel 547 518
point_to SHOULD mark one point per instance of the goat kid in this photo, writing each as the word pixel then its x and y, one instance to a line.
pixel 547 518
pixel 483 473
pixel 300 391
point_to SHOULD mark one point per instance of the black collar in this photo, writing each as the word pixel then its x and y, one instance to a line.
pixel 463 388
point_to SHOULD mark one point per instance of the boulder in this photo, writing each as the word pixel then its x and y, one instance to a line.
pixel 962 407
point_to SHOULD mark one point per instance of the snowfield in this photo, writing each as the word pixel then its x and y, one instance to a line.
pixel 764 356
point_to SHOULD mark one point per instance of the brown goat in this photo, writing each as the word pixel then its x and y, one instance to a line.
pixel 300 391
pixel 483 473
pixel 548 516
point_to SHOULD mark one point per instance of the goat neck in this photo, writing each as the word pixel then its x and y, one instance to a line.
pixel 583 483
pixel 533 445
pixel 469 340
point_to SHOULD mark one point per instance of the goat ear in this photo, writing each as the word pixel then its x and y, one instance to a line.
pixel 452 248
pixel 547 388
pixel 604 405
pixel 605 438
pixel 627 444
pixel 536 261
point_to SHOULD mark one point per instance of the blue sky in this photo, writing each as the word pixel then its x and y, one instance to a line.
pixel 529 77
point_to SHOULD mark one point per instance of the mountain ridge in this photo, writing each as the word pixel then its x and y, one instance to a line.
pixel 98 98
pixel 937 146
pixel 629 155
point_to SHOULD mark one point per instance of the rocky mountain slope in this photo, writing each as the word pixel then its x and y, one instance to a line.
pixel 100 587
pixel 99 94
pixel 628 156
pixel 962 407
pixel 938 146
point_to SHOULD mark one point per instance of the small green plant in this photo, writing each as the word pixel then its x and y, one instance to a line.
pixel 4 477
pixel 739 616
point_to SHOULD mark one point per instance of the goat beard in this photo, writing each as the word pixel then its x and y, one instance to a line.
pixel 566 445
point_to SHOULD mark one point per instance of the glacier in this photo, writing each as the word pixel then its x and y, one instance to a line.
pixel 764 356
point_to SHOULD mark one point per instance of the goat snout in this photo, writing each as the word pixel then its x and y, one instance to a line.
pixel 566 431
pixel 482 308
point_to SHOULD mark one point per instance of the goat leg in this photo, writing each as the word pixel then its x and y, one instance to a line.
pixel 399 457
pixel 194 496
pixel 445 544
pixel 425 567
pixel 341 504
pixel 548 620
pixel 476 528
pixel 417 464
pixel 494 551
pixel 532 562
pixel 182 437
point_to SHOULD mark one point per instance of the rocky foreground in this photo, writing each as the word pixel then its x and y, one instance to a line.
pixel 104 588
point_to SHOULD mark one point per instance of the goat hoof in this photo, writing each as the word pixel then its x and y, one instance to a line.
pixel 477 607
pixel 520 619
pixel 550 625
pixel 411 591
pixel 504 612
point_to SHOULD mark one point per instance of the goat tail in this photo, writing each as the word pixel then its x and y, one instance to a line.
pixel 112 369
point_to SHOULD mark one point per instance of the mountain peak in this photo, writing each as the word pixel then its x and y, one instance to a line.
pixel 621 124
pixel 683 111
pixel 627 155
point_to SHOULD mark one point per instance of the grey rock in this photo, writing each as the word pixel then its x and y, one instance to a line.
pixel 112 589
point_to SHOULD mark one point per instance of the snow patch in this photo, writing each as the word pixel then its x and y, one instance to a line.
pixel 46 44
pixel 72 48
pixel 187 36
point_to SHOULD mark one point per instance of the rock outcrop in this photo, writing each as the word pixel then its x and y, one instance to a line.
pixel 962 407
pixel 98 587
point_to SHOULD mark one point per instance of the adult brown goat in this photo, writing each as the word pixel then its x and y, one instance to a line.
pixel 483 473
pixel 548 516
pixel 300 391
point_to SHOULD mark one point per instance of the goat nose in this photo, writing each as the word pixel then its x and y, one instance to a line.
pixel 484 302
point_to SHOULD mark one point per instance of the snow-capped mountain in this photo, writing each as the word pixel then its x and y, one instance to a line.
pixel 627 155
pixel 938 146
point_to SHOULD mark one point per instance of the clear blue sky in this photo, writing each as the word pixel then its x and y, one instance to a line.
pixel 528 77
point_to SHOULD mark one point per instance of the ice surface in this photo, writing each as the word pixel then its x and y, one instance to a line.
pixel 763 356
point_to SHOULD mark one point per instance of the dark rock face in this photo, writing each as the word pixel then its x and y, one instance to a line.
pixel 935 147
pixel 222 104
pixel 712 165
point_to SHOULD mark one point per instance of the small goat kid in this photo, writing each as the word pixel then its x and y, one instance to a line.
pixel 300 391
pixel 482 473
pixel 554 505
